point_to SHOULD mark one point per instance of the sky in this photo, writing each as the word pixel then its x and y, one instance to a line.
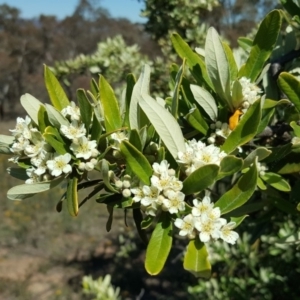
pixel 129 9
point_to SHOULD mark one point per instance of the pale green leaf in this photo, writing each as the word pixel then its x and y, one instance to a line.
pixel 32 106
pixel 196 259
pixel 205 100
pixel 164 123
pixel 24 191
pixel 217 66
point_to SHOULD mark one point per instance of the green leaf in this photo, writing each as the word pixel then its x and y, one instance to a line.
pixel 56 93
pixel 262 47
pixel 229 165
pixel 55 117
pixel 237 94
pixel 24 191
pixel 43 120
pixel 276 181
pixel 164 123
pixel 260 152
pixel 104 167
pixel 296 128
pixel 286 165
pixel 240 193
pixel 141 87
pixel 57 145
pixel 5 143
pixel 200 179
pixel 194 61
pixel 18 173
pixel 196 120
pixel 147 222
pixel 130 82
pixel 112 117
pixel 135 140
pixel 32 106
pixel 233 69
pixel 72 196
pixel 238 220
pixel 205 100
pixel 245 43
pixel 159 245
pixel 196 259
pixel 217 66
pixel 290 85
pixel 86 110
pixel 245 130
pixel 137 162
pixel 175 99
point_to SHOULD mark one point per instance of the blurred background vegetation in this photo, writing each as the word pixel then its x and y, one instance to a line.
pixel 43 254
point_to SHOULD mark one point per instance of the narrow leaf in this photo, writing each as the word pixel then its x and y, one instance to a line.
pixel 86 110
pixel 112 117
pixel 262 47
pixel 159 246
pixel 194 61
pixel 290 85
pixel 72 197
pixel 240 192
pixel 217 66
pixel 164 123
pixel 24 191
pixel 205 100
pixel 137 162
pixel 32 106
pixel 56 93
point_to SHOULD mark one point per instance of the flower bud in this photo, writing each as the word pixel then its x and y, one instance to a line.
pixel 126 193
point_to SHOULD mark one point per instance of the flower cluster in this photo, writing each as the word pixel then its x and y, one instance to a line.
pixel 220 130
pixel 45 162
pixel 205 220
pixel 164 193
pixel 197 154
pixel 250 91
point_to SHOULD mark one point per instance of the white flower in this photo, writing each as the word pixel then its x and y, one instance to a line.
pixel 175 202
pixel 295 140
pixel 73 131
pixel 250 90
pixel 202 207
pixel 209 155
pixel 186 225
pixel 33 177
pixel 150 195
pixel 162 183
pixel 84 148
pixel 118 137
pixel 40 162
pixel 73 111
pixel 20 145
pixel 161 169
pixel 261 168
pixel 60 164
pixel 138 192
pixel 22 128
pixel 227 235
pixel 208 228
pixel 224 131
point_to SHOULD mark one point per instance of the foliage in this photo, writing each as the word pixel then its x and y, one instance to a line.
pixel 166 159
pixel 101 288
